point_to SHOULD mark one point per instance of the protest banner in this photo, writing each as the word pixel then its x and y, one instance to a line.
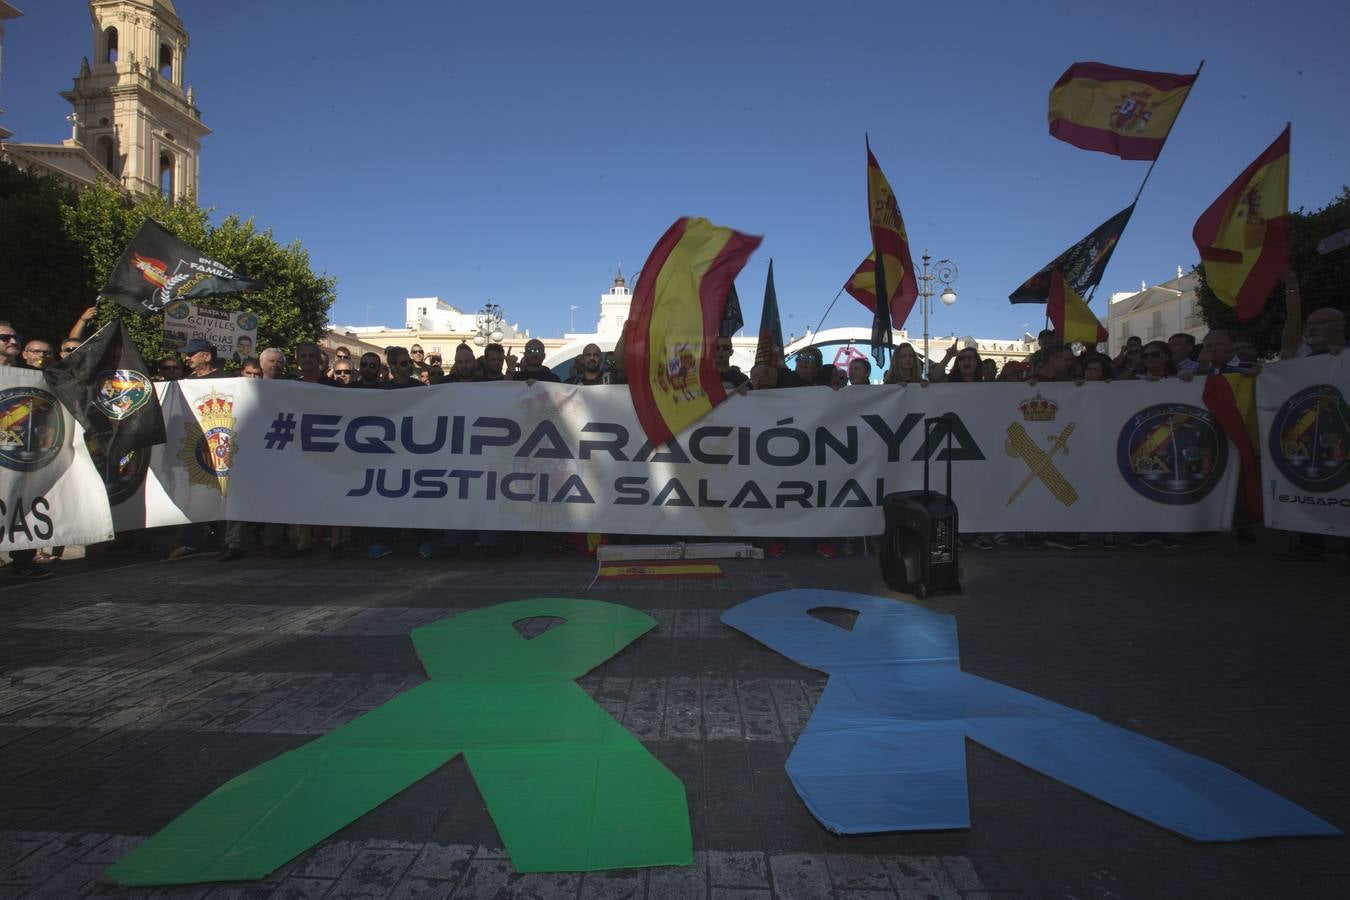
pixel 233 332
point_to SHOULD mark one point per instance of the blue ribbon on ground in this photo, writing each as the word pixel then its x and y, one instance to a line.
pixel 885 751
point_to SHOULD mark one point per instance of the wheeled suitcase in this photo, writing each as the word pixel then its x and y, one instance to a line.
pixel 920 553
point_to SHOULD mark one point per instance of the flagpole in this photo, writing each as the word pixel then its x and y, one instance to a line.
pixel 827 312
pixel 1196 77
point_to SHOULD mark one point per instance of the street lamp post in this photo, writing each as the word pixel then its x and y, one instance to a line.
pixel 488 323
pixel 944 273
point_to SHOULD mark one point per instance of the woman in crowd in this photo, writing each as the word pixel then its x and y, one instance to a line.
pixel 969 366
pixel 1156 360
pixel 904 366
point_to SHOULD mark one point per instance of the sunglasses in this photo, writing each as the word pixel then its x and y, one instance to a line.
pixel 9 337
pixel 1152 354
pixel 370 365
pixel 342 371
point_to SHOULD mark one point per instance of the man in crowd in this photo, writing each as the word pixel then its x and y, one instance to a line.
pixel 273 362
pixel 201 359
pixel 343 371
pixel 733 379
pixel 418 356
pixel 591 366
pixel 69 346
pixel 533 369
pixel 9 345
pixel 168 369
pixel 1182 347
pixel 465 367
pixel 490 366
pixel 368 372
pixel 402 370
pixel 309 358
pixel 250 368
pixel 38 353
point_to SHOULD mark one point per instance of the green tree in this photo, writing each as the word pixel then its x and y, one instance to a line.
pixel 291 307
pixel 1323 280
pixel 45 276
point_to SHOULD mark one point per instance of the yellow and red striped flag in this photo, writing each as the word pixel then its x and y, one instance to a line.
pixel 675 317
pixel 892 267
pixel 1074 321
pixel 1243 237
pixel 1127 112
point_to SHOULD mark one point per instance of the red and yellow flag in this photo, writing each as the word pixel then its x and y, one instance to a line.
pixel 1127 112
pixel 1073 320
pixel 1243 237
pixel 892 266
pixel 862 284
pixel 674 321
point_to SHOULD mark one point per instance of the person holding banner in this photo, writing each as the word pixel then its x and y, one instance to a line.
pixel 201 359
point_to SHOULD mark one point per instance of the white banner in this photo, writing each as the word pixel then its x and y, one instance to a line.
pixel 809 462
pixel 1305 444
pixel 233 332
pixel 50 492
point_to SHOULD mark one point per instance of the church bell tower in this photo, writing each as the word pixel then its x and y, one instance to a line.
pixel 132 111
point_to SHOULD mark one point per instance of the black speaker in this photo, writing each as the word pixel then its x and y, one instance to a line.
pixel 920 551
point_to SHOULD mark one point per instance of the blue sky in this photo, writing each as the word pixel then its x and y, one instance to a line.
pixel 518 153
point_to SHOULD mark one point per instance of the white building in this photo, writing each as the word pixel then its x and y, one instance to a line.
pixel 1155 313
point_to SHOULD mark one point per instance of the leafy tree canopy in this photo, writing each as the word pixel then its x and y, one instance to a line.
pixel 1323 280
pixel 72 241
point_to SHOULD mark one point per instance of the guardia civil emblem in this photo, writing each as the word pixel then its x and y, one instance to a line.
pixel 1172 453
pixel 32 428
pixel 120 392
pixel 208 444
pixel 1310 439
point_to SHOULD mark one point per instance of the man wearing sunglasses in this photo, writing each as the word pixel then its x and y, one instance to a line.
pixel 368 372
pixel 533 369
pixel 9 345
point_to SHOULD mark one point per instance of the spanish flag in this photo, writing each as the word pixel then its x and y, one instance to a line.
pixel 1243 237
pixel 862 284
pixel 892 266
pixel 675 317
pixel 1074 322
pixel 1127 112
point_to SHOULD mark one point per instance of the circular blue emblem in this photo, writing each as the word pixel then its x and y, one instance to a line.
pixel 122 478
pixel 32 429
pixel 177 309
pixel 120 392
pixel 1310 439
pixel 1172 453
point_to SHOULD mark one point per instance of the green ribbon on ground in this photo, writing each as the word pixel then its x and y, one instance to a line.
pixel 568 787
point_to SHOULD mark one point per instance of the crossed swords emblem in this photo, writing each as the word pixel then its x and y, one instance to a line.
pixel 1042 466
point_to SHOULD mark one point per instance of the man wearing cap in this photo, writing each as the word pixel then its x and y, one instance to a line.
pixel 201 359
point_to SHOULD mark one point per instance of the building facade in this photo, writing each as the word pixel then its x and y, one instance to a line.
pixel 134 123
pixel 1155 313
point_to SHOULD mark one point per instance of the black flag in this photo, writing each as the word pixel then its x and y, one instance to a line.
pixel 105 386
pixel 732 320
pixel 157 268
pixel 1081 265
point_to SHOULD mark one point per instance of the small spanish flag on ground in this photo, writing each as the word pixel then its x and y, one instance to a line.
pixel 1243 237
pixel 675 318
pixel 1126 112
pixel 678 569
pixel 1073 320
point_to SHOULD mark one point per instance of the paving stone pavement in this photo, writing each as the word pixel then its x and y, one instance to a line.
pixel 129 692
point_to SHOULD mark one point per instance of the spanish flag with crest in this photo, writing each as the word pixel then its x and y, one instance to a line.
pixel 1126 112
pixel 1073 319
pixel 675 317
pixel 1243 237
pixel 892 267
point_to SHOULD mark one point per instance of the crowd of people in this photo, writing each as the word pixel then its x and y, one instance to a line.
pixel 1180 357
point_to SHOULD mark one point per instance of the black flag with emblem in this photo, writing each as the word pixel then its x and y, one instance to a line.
pixel 106 387
pixel 157 268
pixel 732 320
pixel 1081 265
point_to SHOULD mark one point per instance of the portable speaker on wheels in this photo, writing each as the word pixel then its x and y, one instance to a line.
pixel 920 554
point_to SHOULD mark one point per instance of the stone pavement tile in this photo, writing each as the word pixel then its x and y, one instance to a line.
pixel 800 876
pixel 373 873
pixel 679 882
pixel 70 882
pixel 737 869
pixel 443 862
pixel 857 872
pixel 328 860
pixel 293 888
pixel 979 873
pixel 113 849
pixel 625 884
pixel 484 877
pixel 683 708
pixel 53 856
pixel 758 711
pixel 545 886
pixel 721 893
pixel 923 876
pixel 721 709
pixel 645 709
pixel 412 888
